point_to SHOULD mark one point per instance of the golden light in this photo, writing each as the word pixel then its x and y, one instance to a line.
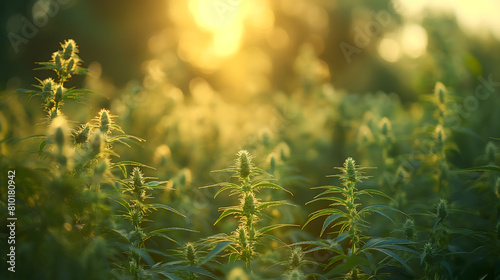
pixel 224 20
pixel 389 49
pixel 471 15
pixel 414 40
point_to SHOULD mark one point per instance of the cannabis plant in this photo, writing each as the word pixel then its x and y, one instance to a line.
pixel 244 240
pixel 349 219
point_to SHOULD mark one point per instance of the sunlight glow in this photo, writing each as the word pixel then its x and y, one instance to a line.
pixel 471 15
pixel 224 20
pixel 414 40
pixel 389 49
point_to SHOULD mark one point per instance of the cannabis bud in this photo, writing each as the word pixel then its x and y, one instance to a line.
pixel 442 211
pixel 244 164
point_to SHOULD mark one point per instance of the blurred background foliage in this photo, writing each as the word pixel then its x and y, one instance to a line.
pixel 301 84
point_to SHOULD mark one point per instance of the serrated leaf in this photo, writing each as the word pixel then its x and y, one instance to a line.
pixel 322 212
pixel 273 227
pixel 163 206
pixel 226 213
pixel 121 233
pixel 215 251
pixel 396 257
pixel 229 186
pixel 330 220
pixel 268 236
pixel 273 203
pixel 267 185
pixel 123 203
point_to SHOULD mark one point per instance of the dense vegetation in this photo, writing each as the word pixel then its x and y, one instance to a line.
pixel 154 183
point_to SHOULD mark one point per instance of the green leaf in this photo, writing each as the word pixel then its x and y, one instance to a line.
pixel 376 209
pixel 28 137
pixel 396 257
pixel 377 192
pixel 121 233
pixel 143 254
pixel 123 203
pixel 484 168
pixel 124 136
pixel 133 163
pixel 42 145
pixel 229 186
pixel 267 185
pixel 268 236
pixel 272 227
pixel 330 220
pixel 228 212
pixel 330 189
pixel 163 206
pixel 273 203
pixel 156 185
pixel 322 212
pixel 331 198
pixel 384 207
pixel 159 234
pixel 215 251
pixel 349 263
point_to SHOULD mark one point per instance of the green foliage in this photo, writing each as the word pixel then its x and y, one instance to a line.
pixel 347 215
pixel 250 210
pixel 87 209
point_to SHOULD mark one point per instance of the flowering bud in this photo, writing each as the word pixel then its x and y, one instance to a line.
pixel 104 121
pixel 249 204
pixel 137 177
pixel 409 228
pixel 296 258
pixel 97 143
pixel 59 137
pixel 47 85
pixel 442 211
pixel 190 253
pixel 242 236
pixel 68 49
pixel 440 137
pixel 59 129
pixel 440 93
pixel 350 169
pixel 429 257
pixel 101 167
pixel 385 127
pixel 244 164
pixel 56 57
pixel 82 136
pixel 59 94
pixel 70 65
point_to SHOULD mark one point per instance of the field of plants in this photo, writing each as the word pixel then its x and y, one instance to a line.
pixel 238 140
